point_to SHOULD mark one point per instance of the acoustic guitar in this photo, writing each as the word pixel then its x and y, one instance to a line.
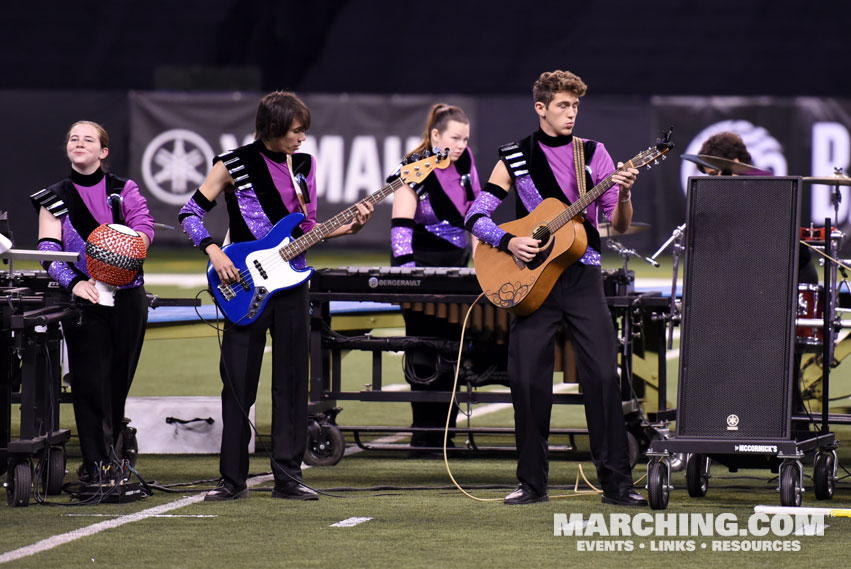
pixel 522 287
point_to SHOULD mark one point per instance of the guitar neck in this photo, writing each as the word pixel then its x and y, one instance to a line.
pixel 584 201
pixel 321 231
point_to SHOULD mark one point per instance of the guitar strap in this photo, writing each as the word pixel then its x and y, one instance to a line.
pixel 579 164
pixel 296 185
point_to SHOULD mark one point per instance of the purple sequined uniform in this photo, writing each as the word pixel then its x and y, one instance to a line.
pixel 561 162
pixel 456 202
pixel 92 191
pixel 245 192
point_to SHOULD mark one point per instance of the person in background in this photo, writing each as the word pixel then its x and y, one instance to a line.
pixel 104 344
pixel 427 230
pixel 730 145
pixel 727 145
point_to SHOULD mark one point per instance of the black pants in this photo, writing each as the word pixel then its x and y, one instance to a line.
pixel 424 363
pixel 103 352
pixel 286 318
pixel 577 297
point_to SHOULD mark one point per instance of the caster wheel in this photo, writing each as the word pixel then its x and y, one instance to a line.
pixel 657 485
pixel 697 475
pixel 325 444
pixel 823 476
pixel 790 485
pixel 53 471
pixel 19 484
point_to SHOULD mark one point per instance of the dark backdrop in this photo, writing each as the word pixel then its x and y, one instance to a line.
pixel 772 47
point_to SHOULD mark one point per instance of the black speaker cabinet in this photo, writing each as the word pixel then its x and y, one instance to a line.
pixel 739 289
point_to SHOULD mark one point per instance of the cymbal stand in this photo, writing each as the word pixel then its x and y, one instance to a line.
pixel 676 239
pixel 831 244
pixel 836 196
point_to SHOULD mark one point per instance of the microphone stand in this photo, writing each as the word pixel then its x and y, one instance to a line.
pixel 615 245
pixel 675 238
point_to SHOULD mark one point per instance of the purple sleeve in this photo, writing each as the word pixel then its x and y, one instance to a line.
pixel 191 218
pixel 136 213
pixel 401 239
pixel 602 166
pixel 58 270
pixel 479 222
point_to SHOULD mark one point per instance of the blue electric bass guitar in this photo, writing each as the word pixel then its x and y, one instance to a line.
pixel 265 265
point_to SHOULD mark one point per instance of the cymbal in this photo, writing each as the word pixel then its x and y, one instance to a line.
pixel 724 165
pixel 829 180
pixel 606 230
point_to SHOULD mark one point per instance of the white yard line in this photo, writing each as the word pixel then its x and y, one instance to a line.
pixel 155 512
pixel 63 538
pixel 349 522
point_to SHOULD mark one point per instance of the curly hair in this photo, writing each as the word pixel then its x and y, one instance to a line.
pixel 727 145
pixel 552 82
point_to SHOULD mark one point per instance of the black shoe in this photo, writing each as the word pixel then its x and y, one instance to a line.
pixel 525 495
pixel 292 490
pixel 84 474
pixel 226 491
pixel 425 454
pixel 624 497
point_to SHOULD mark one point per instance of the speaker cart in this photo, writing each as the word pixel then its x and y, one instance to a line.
pixel 737 349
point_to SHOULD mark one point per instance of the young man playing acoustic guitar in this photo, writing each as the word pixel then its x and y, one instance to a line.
pixel 543 165
pixel 263 182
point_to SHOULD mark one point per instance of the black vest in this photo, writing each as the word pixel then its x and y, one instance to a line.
pixel 247 166
pixel 79 214
pixel 525 158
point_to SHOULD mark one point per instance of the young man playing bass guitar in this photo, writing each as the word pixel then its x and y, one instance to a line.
pixel 544 165
pixel 263 182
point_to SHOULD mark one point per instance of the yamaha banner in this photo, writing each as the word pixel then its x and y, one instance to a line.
pixel 357 142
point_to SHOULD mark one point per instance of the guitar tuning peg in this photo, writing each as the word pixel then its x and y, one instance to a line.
pixel 656 162
pixel 649 166
pixel 664 157
pixel 415 157
pixel 435 150
pixel 426 154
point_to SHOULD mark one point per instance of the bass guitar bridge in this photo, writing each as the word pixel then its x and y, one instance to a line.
pixel 228 291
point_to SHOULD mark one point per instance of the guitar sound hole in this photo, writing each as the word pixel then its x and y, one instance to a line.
pixel 542 255
pixel 542 234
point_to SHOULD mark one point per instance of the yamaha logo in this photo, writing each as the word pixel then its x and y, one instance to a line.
pixel 176 162
pixel 764 148
pixel 373 282
pixel 732 422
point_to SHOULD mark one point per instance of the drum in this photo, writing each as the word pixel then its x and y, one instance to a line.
pixel 810 305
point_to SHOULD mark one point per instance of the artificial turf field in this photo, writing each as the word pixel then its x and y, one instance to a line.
pixel 416 517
